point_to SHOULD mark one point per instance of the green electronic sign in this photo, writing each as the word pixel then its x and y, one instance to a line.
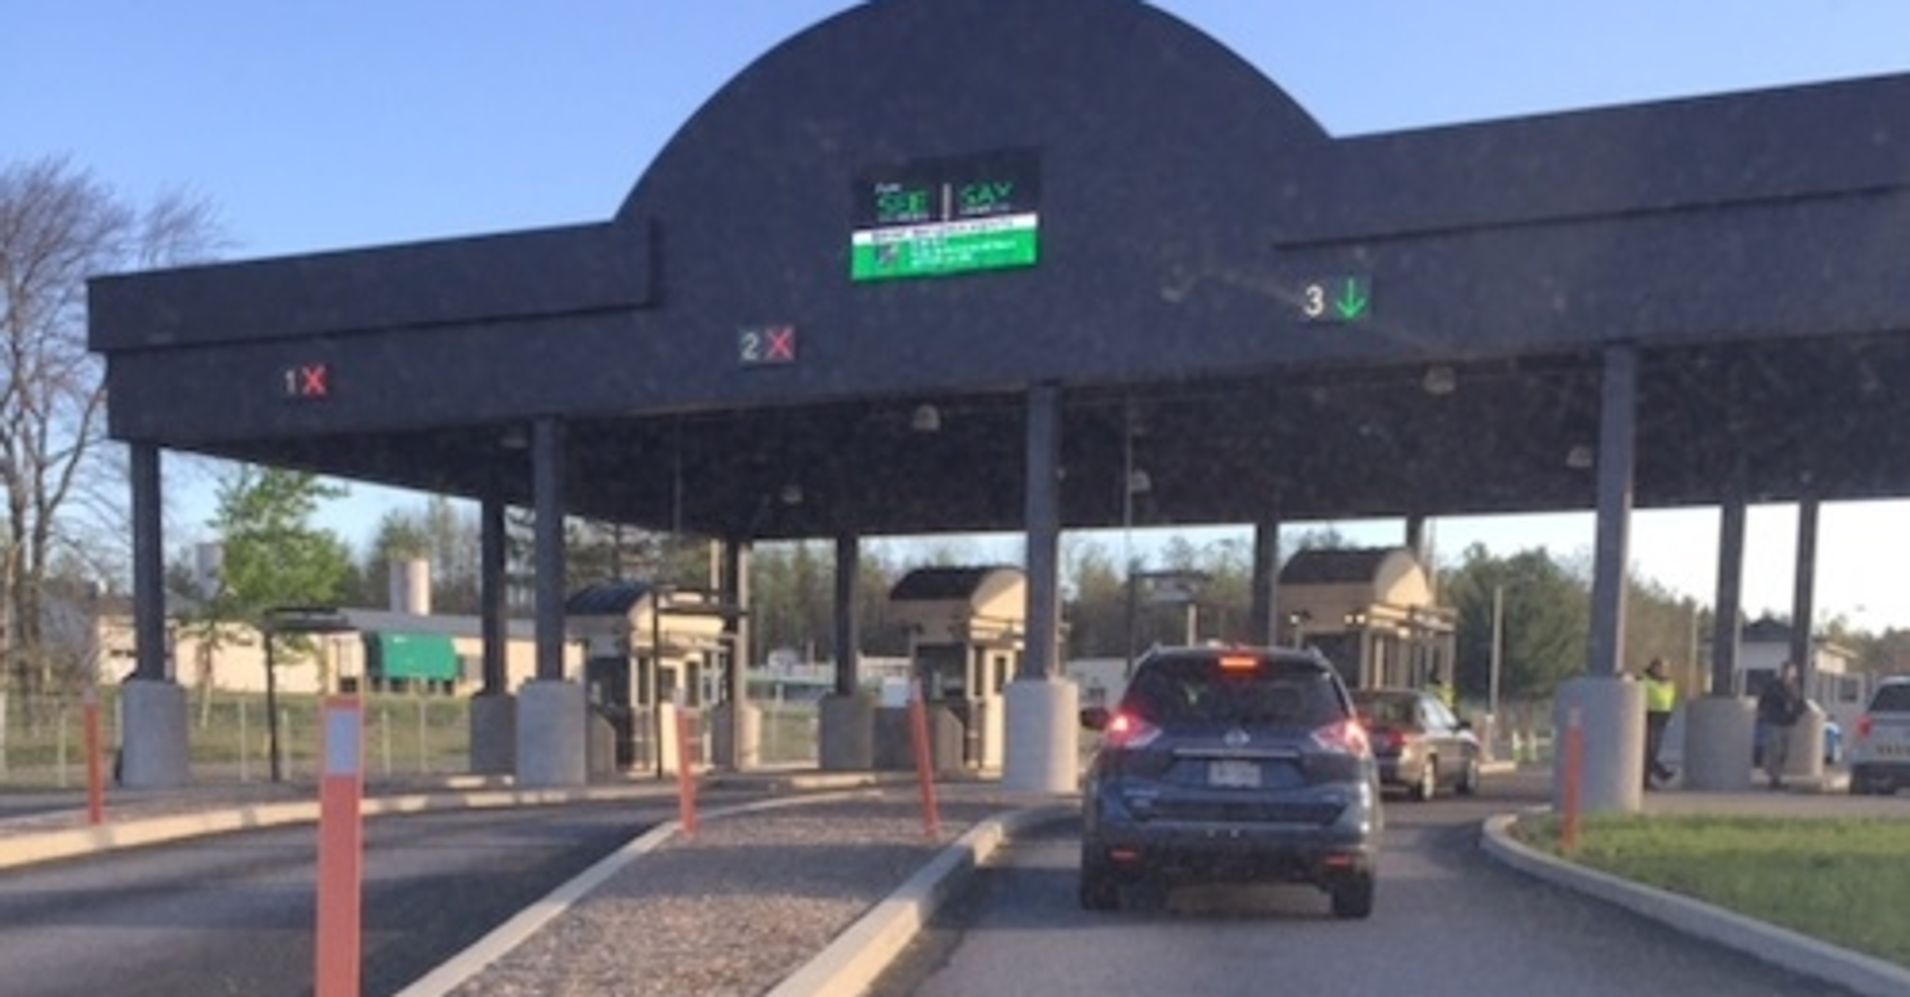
pixel 945 216
pixel 1337 299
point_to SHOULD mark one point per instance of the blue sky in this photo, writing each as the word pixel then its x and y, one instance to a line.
pixel 326 125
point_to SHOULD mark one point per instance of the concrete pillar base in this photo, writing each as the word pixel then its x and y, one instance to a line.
pixel 153 715
pixel 1717 748
pixel 846 734
pixel 723 746
pixel 493 734
pixel 1612 710
pixel 1806 760
pixel 550 734
pixel 1043 737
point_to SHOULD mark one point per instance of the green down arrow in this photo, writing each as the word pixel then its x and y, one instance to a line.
pixel 1352 302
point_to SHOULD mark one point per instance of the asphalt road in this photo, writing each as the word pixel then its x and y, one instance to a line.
pixel 1448 922
pixel 233 914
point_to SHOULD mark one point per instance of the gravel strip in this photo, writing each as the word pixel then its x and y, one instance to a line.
pixel 736 910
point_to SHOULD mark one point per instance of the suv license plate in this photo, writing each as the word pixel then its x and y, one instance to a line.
pixel 1234 775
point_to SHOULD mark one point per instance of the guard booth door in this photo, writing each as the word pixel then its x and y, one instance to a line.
pixel 607 684
pixel 948 681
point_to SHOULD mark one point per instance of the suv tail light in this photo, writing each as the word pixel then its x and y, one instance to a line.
pixel 1344 737
pixel 1127 731
pixel 1863 727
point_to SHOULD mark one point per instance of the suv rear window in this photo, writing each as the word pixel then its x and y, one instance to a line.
pixel 1198 691
pixel 1892 698
pixel 1391 710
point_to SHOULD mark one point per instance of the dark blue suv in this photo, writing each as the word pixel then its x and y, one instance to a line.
pixel 1231 764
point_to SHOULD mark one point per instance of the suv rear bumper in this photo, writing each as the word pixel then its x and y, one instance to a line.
pixel 1188 851
pixel 1894 773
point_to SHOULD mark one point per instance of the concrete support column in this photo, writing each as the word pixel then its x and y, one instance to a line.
pixel 1727 626
pixel 493 712
pixel 848 635
pixel 1043 743
pixel 491 595
pixel 1416 535
pixel 1803 593
pixel 737 734
pixel 1264 615
pixel 1612 706
pixel 846 724
pixel 547 483
pixel 1806 758
pixel 149 567
pixel 1719 727
pixel 153 706
pixel 551 712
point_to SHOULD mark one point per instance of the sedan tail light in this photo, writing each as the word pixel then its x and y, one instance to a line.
pixel 1127 731
pixel 1344 737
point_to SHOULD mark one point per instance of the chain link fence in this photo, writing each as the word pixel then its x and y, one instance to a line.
pixel 229 738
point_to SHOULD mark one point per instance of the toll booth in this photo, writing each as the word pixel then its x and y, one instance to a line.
pixel 1372 611
pixel 966 629
pixel 637 656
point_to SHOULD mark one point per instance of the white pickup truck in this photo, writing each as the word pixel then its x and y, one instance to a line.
pixel 1880 752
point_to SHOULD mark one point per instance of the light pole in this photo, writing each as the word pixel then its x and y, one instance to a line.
pixel 1498 651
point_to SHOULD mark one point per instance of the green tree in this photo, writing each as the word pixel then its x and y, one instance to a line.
pixel 1547 615
pixel 58 226
pixel 272 555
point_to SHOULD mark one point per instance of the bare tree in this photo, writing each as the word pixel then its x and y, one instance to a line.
pixel 58 226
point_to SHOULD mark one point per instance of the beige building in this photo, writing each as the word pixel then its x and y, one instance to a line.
pixel 1371 611
pixel 966 633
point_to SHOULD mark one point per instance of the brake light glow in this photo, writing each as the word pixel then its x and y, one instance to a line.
pixel 1863 727
pixel 1125 730
pixel 1344 737
pixel 1238 662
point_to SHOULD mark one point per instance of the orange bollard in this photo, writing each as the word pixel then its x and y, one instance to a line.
pixel 685 778
pixel 1574 769
pixel 95 765
pixel 924 762
pixel 340 849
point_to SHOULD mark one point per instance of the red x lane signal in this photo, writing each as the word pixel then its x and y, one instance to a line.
pixel 308 382
pixel 766 345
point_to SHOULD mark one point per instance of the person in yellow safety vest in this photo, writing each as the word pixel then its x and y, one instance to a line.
pixel 1661 697
pixel 1441 689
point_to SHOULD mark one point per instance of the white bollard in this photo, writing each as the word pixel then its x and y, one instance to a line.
pixel 245 753
pixel 59 749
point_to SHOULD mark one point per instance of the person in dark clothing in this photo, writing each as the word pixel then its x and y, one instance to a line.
pixel 1778 708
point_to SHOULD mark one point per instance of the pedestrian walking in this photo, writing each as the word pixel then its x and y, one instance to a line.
pixel 1661 697
pixel 1778 708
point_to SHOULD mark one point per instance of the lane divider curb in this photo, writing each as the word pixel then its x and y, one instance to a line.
pixel 457 970
pixel 1761 940
pixel 31 849
pixel 857 958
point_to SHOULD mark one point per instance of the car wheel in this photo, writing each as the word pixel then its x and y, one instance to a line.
pixel 1099 889
pixel 1353 897
pixel 1469 779
pixel 1860 783
pixel 1428 785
